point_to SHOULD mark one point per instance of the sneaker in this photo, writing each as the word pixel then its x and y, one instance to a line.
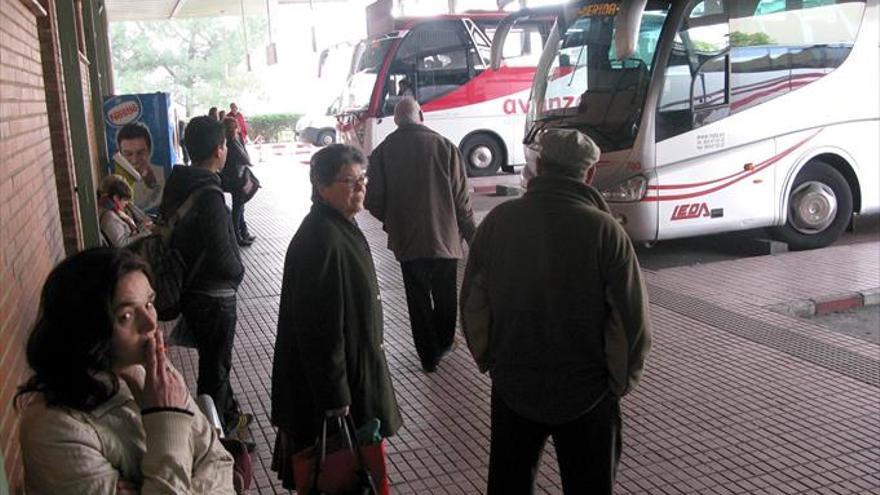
pixel 239 424
pixel 249 237
pixel 245 420
pixel 244 242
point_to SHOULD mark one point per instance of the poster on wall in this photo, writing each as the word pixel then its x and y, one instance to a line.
pixel 142 143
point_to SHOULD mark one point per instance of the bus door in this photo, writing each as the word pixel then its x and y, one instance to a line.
pixel 714 168
pixel 434 59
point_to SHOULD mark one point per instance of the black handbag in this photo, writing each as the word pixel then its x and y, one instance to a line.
pixel 249 184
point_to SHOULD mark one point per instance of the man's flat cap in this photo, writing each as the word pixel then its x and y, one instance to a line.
pixel 569 147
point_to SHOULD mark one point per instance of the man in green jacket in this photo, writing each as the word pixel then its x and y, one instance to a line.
pixel 554 307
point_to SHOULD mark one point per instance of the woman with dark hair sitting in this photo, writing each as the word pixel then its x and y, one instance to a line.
pixel 105 412
pixel 121 221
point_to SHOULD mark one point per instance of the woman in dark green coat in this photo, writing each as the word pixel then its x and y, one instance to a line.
pixel 329 352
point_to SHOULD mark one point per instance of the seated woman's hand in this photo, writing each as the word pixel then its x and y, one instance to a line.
pixel 126 488
pixel 163 386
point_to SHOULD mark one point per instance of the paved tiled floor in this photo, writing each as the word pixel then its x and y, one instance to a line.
pixel 735 399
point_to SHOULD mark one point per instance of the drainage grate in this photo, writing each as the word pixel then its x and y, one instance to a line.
pixel 843 361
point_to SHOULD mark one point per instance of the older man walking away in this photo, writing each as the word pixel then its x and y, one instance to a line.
pixel 418 190
pixel 554 307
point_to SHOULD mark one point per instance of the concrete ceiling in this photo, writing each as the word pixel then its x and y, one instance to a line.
pixel 154 10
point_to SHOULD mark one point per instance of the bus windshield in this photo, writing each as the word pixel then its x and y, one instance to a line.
pixel 368 58
pixel 582 83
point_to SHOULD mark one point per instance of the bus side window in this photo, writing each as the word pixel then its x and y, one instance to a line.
pixel 775 47
pixel 782 46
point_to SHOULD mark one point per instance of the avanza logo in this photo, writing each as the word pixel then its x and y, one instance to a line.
pixel 518 105
pixel 693 210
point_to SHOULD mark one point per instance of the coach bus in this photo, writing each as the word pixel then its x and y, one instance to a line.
pixel 442 61
pixel 717 116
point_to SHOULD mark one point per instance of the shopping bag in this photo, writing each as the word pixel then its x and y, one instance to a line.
pixel 242 467
pixel 341 471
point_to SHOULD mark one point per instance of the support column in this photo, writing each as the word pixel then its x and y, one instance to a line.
pixel 94 31
pixel 66 12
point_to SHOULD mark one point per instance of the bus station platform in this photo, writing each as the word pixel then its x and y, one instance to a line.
pixel 738 396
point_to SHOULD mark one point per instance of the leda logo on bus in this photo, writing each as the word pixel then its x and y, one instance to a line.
pixel 599 10
pixel 123 113
pixel 694 210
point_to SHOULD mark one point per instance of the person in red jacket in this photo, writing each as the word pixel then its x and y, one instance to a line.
pixel 242 122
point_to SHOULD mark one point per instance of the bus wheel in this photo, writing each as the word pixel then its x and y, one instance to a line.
pixel 326 138
pixel 482 155
pixel 820 206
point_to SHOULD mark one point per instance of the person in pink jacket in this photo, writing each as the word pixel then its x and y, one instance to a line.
pixel 242 122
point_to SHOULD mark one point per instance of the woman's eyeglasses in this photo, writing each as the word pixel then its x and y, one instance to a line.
pixel 352 181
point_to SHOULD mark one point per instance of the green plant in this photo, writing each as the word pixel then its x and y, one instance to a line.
pixel 738 38
pixel 272 126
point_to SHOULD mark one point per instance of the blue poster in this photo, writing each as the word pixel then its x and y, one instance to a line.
pixel 148 158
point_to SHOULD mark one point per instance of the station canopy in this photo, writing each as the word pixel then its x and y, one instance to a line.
pixel 155 10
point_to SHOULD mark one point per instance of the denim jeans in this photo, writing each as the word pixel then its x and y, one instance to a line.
pixel 241 229
pixel 212 321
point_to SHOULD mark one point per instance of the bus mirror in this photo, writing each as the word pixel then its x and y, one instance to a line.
pixel 626 36
pixel 504 26
pixel 500 37
pixel 322 59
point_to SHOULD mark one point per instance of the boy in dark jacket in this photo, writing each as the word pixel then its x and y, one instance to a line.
pixel 206 239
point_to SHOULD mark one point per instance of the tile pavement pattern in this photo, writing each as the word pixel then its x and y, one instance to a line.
pixel 735 399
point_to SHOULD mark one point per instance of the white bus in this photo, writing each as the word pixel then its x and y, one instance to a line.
pixel 720 115
pixel 442 61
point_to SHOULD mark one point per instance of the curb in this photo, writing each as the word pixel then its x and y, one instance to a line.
pixel 483 189
pixel 497 189
pixel 818 306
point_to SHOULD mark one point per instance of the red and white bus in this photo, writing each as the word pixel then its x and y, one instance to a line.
pixel 443 61
pixel 717 116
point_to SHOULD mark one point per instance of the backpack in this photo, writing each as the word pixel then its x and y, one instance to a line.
pixel 171 275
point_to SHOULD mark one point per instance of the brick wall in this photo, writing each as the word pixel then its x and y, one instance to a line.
pixel 31 240
pixel 59 128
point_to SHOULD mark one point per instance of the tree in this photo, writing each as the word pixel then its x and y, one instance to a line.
pixel 201 62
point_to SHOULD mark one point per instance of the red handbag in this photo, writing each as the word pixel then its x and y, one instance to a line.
pixel 354 469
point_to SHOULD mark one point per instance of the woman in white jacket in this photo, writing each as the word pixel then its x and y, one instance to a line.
pixel 121 221
pixel 105 412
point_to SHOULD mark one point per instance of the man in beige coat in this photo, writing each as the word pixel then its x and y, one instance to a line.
pixel 418 189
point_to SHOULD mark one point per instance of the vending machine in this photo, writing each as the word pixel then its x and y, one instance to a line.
pixel 146 170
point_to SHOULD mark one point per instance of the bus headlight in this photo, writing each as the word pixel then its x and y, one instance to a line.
pixel 630 190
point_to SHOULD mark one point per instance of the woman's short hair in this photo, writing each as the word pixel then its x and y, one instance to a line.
pixel 70 348
pixel 230 126
pixel 327 163
pixel 115 185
